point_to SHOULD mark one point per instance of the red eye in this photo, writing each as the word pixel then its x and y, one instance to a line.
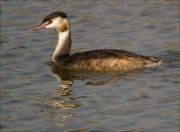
pixel 49 22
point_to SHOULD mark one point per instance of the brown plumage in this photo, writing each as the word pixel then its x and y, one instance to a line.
pixel 106 59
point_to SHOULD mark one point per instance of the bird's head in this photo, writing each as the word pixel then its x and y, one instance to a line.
pixel 56 20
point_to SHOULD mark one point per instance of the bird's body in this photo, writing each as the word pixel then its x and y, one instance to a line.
pixel 103 59
pixel 106 59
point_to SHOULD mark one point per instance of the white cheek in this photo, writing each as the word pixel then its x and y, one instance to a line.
pixel 50 26
pixel 55 23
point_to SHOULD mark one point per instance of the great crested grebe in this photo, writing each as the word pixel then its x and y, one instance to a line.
pixel 103 59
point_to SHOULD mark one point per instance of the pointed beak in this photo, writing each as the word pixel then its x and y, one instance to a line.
pixel 38 27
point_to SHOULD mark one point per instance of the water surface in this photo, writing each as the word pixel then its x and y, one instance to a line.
pixel 39 96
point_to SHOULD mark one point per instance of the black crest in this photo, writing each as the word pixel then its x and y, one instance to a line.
pixel 54 15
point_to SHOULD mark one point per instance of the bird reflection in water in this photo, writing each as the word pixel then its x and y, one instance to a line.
pixel 64 91
pixel 67 76
pixel 63 99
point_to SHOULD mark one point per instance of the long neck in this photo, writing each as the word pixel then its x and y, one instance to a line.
pixel 63 47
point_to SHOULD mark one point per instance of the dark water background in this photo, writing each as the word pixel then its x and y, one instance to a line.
pixel 38 96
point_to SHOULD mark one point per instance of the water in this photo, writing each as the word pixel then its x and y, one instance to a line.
pixel 38 96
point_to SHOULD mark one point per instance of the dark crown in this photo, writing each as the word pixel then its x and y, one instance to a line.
pixel 54 15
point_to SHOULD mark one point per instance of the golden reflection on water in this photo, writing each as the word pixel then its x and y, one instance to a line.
pixel 64 91
pixel 169 97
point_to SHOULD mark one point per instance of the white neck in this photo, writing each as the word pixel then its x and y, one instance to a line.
pixel 64 45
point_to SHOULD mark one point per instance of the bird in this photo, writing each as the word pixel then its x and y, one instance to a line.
pixel 100 59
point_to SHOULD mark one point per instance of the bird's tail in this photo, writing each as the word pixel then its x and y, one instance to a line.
pixel 151 61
